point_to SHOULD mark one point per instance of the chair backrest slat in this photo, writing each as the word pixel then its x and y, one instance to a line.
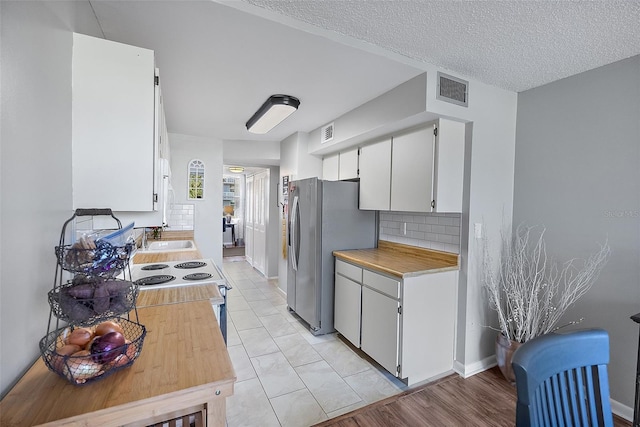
pixel 591 396
pixel 562 380
pixel 574 403
pixel 558 400
pixel 566 398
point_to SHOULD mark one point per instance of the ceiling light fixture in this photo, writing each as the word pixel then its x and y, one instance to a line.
pixel 272 112
pixel 236 169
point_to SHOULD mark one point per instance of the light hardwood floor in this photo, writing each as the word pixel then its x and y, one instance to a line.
pixel 485 399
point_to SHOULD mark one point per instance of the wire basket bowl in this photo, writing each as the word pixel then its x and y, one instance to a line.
pixel 87 301
pixel 84 367
pixel 105 260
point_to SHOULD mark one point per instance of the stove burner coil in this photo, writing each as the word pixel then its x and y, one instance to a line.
pixel 197 276
pixel 190 264
pixel 154 280
pixel 154 267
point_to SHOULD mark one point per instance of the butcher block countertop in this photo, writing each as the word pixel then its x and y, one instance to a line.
pixel 179 294
pixel 400 260
pixel 183 368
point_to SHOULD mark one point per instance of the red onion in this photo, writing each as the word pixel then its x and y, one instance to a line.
pixel 107 347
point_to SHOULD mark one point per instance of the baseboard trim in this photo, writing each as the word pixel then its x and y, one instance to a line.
pixel 621 410
pixel 466 371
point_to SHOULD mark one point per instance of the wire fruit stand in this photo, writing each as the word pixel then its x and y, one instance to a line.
pixel 93 328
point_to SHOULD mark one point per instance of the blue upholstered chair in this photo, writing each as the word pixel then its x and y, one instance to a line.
pixel 561 380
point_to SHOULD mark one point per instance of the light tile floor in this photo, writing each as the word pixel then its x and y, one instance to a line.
pixel 286 375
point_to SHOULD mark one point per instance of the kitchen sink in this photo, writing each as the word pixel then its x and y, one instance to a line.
pixel 170 246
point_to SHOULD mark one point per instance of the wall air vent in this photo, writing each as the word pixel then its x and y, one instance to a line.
pixel 326 133
pixel 452 89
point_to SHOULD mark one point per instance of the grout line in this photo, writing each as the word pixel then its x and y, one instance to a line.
pixel 239 275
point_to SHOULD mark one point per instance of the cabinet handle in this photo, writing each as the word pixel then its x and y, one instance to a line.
pixel 217 392
pixel 92 212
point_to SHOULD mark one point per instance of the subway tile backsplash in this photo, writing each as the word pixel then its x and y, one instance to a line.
pixel 181 217
pixel 440 231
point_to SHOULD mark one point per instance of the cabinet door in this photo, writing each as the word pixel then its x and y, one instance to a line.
pixel 412 171
pixel 330 166
pixel 347 309
pixel 375 175
pixel 449 166
pixel 380 328
pixel 348 164
pixel 113 154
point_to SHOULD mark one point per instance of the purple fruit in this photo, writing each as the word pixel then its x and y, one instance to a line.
pixel 107 347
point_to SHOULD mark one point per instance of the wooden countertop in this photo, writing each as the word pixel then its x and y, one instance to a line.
pixel 184 363
pixel 153 257
pixel 401 260
pixel 179 294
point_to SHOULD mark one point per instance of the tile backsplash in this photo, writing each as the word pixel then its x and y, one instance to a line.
pixel 181 216
pixel 440 231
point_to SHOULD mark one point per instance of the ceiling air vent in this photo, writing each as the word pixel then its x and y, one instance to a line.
pixel 326 134
pixel 452 89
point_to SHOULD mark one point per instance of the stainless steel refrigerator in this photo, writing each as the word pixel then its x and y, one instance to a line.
pixel 323 217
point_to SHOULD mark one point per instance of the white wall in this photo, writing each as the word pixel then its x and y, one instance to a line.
pixel 207 229
pixel 488 200
pixel 296 163
pixel 577 157
pixel 35 167
pixel 252 153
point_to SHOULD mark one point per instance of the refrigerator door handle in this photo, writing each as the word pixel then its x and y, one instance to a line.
pixel 293 230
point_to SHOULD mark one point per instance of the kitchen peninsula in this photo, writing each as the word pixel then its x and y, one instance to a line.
pixel 183 370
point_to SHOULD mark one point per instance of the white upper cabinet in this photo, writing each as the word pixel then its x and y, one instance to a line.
pixel 340 166
pixel 412 170
pixel 331 167
pixel 114 126
pixel 447 189
pixel 375 175
pixel 348 167
pixel 420 170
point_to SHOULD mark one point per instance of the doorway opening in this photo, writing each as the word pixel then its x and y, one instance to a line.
pixel 239 211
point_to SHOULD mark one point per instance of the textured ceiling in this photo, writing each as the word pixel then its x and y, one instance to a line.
pixel 516 45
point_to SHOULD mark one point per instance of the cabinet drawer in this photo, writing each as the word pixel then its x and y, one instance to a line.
pixel 380 283
pixel 349 270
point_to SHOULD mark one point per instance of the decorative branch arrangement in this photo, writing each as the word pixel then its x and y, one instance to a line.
pixel 530 292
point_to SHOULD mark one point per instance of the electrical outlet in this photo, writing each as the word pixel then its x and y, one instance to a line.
pixel 404 228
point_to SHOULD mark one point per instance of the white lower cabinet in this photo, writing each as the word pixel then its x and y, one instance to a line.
pixel 347 308
pixel 380 328
pixel 406 325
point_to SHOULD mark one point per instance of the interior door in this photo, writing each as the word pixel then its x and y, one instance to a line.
pixel 249 225
pixel 260 199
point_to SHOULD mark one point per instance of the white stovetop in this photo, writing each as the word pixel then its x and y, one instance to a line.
pixel 138 272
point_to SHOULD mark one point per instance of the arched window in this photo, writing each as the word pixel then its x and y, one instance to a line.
pixel 196 180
